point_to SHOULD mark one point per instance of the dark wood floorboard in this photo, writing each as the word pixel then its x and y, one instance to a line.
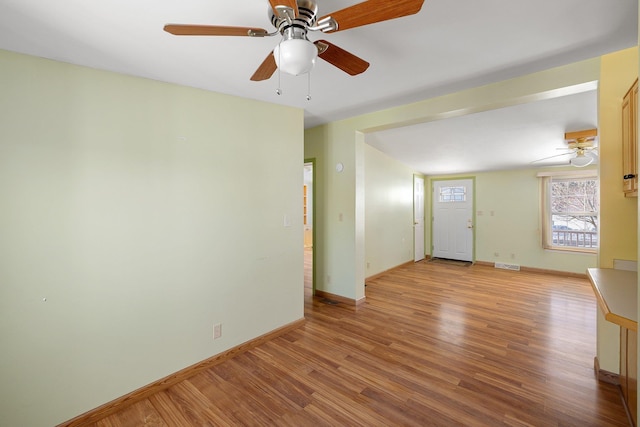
pixel 434 345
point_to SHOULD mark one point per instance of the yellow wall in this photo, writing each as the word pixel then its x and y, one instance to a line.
pixel 618 215
pixel 618 225
pixel 135 215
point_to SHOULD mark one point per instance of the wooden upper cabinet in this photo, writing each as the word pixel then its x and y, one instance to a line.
pixel 630 141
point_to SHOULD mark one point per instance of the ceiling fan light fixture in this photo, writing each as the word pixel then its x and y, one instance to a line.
pixel 581 160
pixel 295 56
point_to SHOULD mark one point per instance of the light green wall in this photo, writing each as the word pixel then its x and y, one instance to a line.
pixel 340 247
pixel 507 222
pixel 388 212
pixel 143 213
pixel 335 231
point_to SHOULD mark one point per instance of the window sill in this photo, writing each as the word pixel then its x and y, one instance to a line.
pixel 571 250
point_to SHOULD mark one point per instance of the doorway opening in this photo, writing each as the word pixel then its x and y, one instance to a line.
pixel 307 221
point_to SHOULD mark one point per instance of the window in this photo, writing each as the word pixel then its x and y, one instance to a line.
pixel 453 194
pixel 570 213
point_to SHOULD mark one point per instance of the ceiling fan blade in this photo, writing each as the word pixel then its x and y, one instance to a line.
pixel 293 4
pixel 346 61
pixel 370 12
pixel 266 69
pixel 213 30
pixel 551 157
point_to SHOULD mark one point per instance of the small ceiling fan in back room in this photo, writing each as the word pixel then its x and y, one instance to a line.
pixel 581 145
pixel 295 54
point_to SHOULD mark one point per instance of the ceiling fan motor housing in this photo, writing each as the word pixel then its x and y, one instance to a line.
pixel 307 15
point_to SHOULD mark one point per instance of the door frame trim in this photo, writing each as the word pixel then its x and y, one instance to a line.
pixel 314 241
pixel 424 215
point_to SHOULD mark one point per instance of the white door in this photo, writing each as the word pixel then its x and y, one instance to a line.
pixel 418 218
pixel 452 226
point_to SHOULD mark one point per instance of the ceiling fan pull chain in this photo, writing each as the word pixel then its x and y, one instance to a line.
pixel 309 86
pixel 279 91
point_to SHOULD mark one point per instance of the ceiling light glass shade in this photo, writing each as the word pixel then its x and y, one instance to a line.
pixel 295 56
pixel 581 160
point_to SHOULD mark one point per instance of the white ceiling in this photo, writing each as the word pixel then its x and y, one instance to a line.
pixel 446 47
pixel 507 138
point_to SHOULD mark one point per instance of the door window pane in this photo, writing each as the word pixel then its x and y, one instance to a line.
pixel 453 194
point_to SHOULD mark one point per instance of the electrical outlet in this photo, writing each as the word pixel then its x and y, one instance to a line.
pixel 217 331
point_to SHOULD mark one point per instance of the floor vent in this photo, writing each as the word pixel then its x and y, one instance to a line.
pixel 514 267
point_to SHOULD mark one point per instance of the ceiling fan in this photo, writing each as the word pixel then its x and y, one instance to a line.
pixel 296 54
pixel 581 145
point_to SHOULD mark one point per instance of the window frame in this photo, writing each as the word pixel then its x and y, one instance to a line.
pixel 547 214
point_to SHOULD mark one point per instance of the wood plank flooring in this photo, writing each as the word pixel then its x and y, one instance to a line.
pixel 434 345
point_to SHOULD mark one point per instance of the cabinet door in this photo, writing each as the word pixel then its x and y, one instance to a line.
pixel 633 152
pixel 629 370
pixel 623 364
pixel 632 374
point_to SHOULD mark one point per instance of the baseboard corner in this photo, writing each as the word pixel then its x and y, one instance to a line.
pixel 605 376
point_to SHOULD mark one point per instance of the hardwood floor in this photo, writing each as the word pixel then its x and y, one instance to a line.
pixel 434 345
